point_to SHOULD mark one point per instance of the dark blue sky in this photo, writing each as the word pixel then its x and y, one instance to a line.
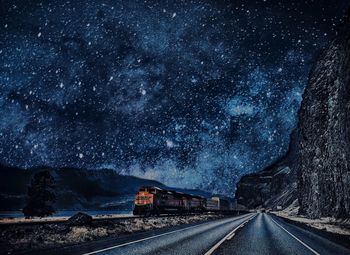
pixel 191 93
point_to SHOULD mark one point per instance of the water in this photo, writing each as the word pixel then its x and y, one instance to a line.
pixel 19 214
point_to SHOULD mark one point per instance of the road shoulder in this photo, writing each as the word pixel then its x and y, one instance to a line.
pixel 341 239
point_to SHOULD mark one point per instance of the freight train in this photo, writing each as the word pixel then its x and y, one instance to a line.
pixel 152 200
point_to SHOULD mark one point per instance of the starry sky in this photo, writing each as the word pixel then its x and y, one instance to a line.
pixel 194 93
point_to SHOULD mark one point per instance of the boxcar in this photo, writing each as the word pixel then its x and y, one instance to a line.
pixel 212 205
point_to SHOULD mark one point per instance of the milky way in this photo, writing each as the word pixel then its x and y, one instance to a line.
pixel 191 93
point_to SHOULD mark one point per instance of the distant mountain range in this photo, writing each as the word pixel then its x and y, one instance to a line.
pixel 77 189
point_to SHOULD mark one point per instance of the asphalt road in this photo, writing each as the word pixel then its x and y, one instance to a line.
pixel 189 239
pixel 267 234
pixel 247 234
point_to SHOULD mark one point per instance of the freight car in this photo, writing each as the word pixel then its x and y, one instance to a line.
pixel 216 204
pixel 152 200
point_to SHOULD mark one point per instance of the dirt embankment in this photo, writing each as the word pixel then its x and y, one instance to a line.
pixel 23 237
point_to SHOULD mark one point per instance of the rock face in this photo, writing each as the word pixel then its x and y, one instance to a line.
pixel 316 169
pixel 274 186
pixel 79 219
pixel 324 126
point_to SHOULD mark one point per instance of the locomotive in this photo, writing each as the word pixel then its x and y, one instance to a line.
pixel 151 200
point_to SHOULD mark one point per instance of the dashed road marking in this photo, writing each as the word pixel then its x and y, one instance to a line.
pixel 229 236
pixel 144 239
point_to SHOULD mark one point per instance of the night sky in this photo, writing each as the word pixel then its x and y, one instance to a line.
pixel 191 93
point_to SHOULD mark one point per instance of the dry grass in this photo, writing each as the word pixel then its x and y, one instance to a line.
pixel 14 237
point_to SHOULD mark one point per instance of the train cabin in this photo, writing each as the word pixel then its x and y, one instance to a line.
pixel 155 201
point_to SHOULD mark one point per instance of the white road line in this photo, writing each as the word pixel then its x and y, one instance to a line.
pixel 144 239
pixel 296 238
pixel 227 237
pixel 230 237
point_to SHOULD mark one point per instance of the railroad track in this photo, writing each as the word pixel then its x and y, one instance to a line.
pixel 113 218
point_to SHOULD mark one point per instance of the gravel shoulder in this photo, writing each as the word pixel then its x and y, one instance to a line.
pixel 330 228
pixel 328 224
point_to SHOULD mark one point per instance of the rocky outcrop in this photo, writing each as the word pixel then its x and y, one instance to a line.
pixel 273 187
pixel 324 126
pixel 79 219
pixel 317 167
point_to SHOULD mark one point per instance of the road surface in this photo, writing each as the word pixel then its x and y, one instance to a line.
pixel 190 239
pixel 247 234
pixel 267 234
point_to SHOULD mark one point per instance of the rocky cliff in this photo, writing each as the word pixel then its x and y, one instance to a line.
pixel 316 169
pixel 274 186
pixel 324 126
